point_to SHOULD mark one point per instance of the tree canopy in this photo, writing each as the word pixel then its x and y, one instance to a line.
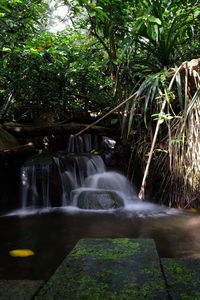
pixel 96 63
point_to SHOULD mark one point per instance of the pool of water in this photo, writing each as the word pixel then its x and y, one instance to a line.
pixel 53 233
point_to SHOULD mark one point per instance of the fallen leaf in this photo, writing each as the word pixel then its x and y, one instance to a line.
pixel 21 252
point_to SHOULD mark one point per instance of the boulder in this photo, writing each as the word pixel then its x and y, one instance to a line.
pixel 99 199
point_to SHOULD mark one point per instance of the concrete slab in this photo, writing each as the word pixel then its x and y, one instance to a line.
pixel 19 289
pixel 183 278
pixel 104 269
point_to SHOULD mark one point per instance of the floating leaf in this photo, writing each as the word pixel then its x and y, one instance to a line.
pixel 21 252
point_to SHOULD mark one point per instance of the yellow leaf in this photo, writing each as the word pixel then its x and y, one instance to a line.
pixel 194 210
pixel 21 253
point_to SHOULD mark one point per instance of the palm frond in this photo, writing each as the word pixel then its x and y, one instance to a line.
pixel 192 102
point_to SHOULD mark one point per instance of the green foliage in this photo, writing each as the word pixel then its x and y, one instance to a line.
pixel 163 27
pixel 115 48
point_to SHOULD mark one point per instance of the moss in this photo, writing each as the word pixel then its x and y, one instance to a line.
pixel 119 248
pixel 108 269
pixel 183 278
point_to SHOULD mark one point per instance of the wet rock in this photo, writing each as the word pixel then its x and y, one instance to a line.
pixel 99 199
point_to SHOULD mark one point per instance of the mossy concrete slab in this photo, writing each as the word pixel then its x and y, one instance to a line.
pixel 183 278
pixel 104 269
pixel 19 289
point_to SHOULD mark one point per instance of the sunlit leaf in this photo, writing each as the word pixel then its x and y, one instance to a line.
pixel 176 140
pixel 155 20
pixel 161 150
pixel 5 49
pixel 197 13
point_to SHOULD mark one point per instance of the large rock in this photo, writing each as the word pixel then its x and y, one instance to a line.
pixel 104 269
pixel 99 199
pixel 7 140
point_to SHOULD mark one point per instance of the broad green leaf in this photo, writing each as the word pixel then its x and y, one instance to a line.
pixel 154 20
pixel 92 13
pixel 197 13
pixel 4 8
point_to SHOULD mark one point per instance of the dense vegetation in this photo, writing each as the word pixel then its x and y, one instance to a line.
pixel 113 49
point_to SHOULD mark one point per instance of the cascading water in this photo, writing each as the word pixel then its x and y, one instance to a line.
pixel 104 190
pixel 68 179
pixel 49 180
pixel 85 143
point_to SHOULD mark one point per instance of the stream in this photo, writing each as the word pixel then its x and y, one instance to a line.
pixel 69 196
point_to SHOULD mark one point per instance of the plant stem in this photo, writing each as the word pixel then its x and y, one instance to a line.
pixel 141 194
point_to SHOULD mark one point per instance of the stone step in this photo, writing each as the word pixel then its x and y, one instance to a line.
pixel 19 289
pixel 183 278
pixel 104 269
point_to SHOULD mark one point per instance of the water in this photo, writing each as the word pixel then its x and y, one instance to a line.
pixel 86 142
pixel 63 179
pixel 49 180
pixel 52 235
pixel 49 222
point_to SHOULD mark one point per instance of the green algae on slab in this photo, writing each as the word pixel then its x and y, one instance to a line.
pixel 108 269
pixel 183 278
pixel 19 289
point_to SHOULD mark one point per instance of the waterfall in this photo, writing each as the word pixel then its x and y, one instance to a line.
pixel 35 186
pixel 49 180
pixel 111 181
pixel 86 143
pixel 74 177
pixel 83 143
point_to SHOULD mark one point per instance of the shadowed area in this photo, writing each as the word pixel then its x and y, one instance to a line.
pixel 52 235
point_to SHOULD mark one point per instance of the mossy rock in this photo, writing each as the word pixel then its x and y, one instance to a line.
pixel 7 140
pixel 105 269
pixel 182 277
